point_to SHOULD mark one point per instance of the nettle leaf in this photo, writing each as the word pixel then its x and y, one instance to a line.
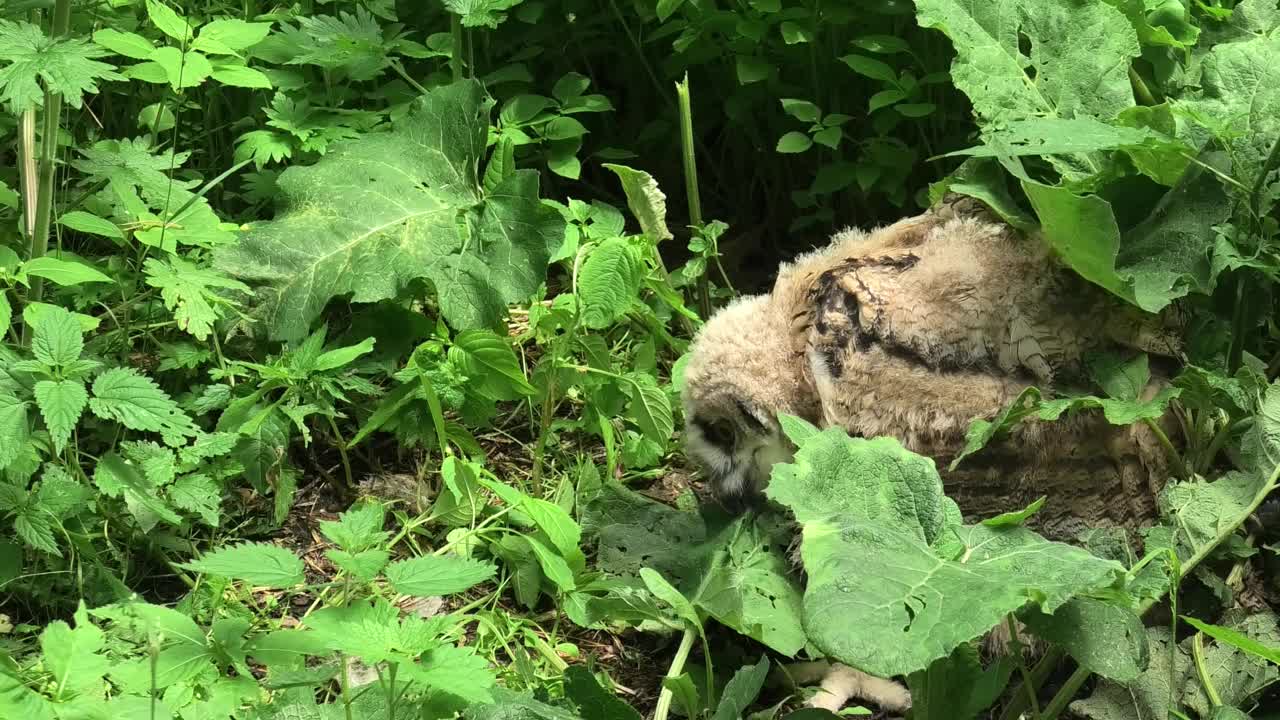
pixel 647 203
pixel 61 403
pixel 13 427
pixel 489 361
pixel 65 66
pixel 609 282
pixel 58 339
pixel 135 401
pixel 879 596
pixel 188 291
pixel 433 575
pixel 389 207
pixel 1079 54
pixel 258 564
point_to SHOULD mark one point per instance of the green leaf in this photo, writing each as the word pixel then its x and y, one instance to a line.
pixel 870 511
pixel 182 69
pixel 117 478
pixel 982 179
pixel 341 357
pixel 794 142
pixel 874 69
pixel 491 363
pixel 609 282
pixel 19 701
pixel 458 671
pixel 1073 76
pixel 136 402
pixel 667 593
pixel 666 8
pixel 802 110
pixel 885 98
pixel 363 566
pixel 436 575
pixel 227 36
pixel 553 565
pixel 593 701
pixel 1240 96
pixel 124 43
pixel 89 223
pixel 36 530
pixel 72 656
pixel 358 528
pixel 1108 639
pixel 742 690
pixel 168 21
pixel 1236 639
pixel 647 203
pixel 650 408
pixel 34 62
pixel 481 13
pixel 190 292
pixel 13 427
pixel 239 76
pixel 63 272
pixel 258 564
pixel 58 340
pixel 61 403
pixel 401 205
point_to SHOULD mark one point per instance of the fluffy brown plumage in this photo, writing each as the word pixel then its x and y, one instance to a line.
pixel 912 331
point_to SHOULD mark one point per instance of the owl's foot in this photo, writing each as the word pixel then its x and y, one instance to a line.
pixel 841 683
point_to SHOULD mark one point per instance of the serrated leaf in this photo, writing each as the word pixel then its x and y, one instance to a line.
pixel 650 408
pixel 870 511
pixel 13 427
pixel 258 564
pixel 609 282
pixel 458 671
pixel 199 495
pixel 190 292
pixel 364 566
pixel 647 202
pixel 36 531
pixel 31 60
pixel 358 528
pixel 63 272
pixel 61 403
pixel 136 402
pixel 401 205
pixel 481 13
pixel 490 361
pixel 434 575
pixel 117 478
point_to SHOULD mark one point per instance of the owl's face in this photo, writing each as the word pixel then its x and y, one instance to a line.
pixel 737 446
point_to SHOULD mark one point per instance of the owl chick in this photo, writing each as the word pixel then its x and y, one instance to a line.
pixel 912 331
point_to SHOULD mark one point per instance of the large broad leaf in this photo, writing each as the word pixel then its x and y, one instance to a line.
pixel 1240 101
pixel 1077 65
pixel 389 207
pixel 895 582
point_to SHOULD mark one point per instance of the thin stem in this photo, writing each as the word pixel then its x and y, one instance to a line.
pixel 1016 647
pixel 39 244
pixel 342 452
pixel 691 181
pixel 1179 467
pixel 663 707
pixel 455 58
pixel 1235 355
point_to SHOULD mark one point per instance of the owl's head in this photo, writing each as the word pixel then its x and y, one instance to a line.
pixel 740 375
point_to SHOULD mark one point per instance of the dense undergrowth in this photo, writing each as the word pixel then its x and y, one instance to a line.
pixel 343 343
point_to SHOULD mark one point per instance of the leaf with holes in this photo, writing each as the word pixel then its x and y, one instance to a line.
pixel 880 597
pixel 390 207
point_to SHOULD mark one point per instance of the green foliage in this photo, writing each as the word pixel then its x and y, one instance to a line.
pixel 258 263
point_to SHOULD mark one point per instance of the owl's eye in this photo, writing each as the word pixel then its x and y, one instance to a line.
pixel 718 432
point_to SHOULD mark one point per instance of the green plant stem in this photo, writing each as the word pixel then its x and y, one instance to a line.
pixel 1214 447
pixel 1016 648
pixel 663 707
pixel 1197 655
pixel 691 182
pixel 342 452
pixel 1175 460
pixel 1145 97
pixel 39 244
pixel 1235 354
pixel 1081 674
pixel 455 58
